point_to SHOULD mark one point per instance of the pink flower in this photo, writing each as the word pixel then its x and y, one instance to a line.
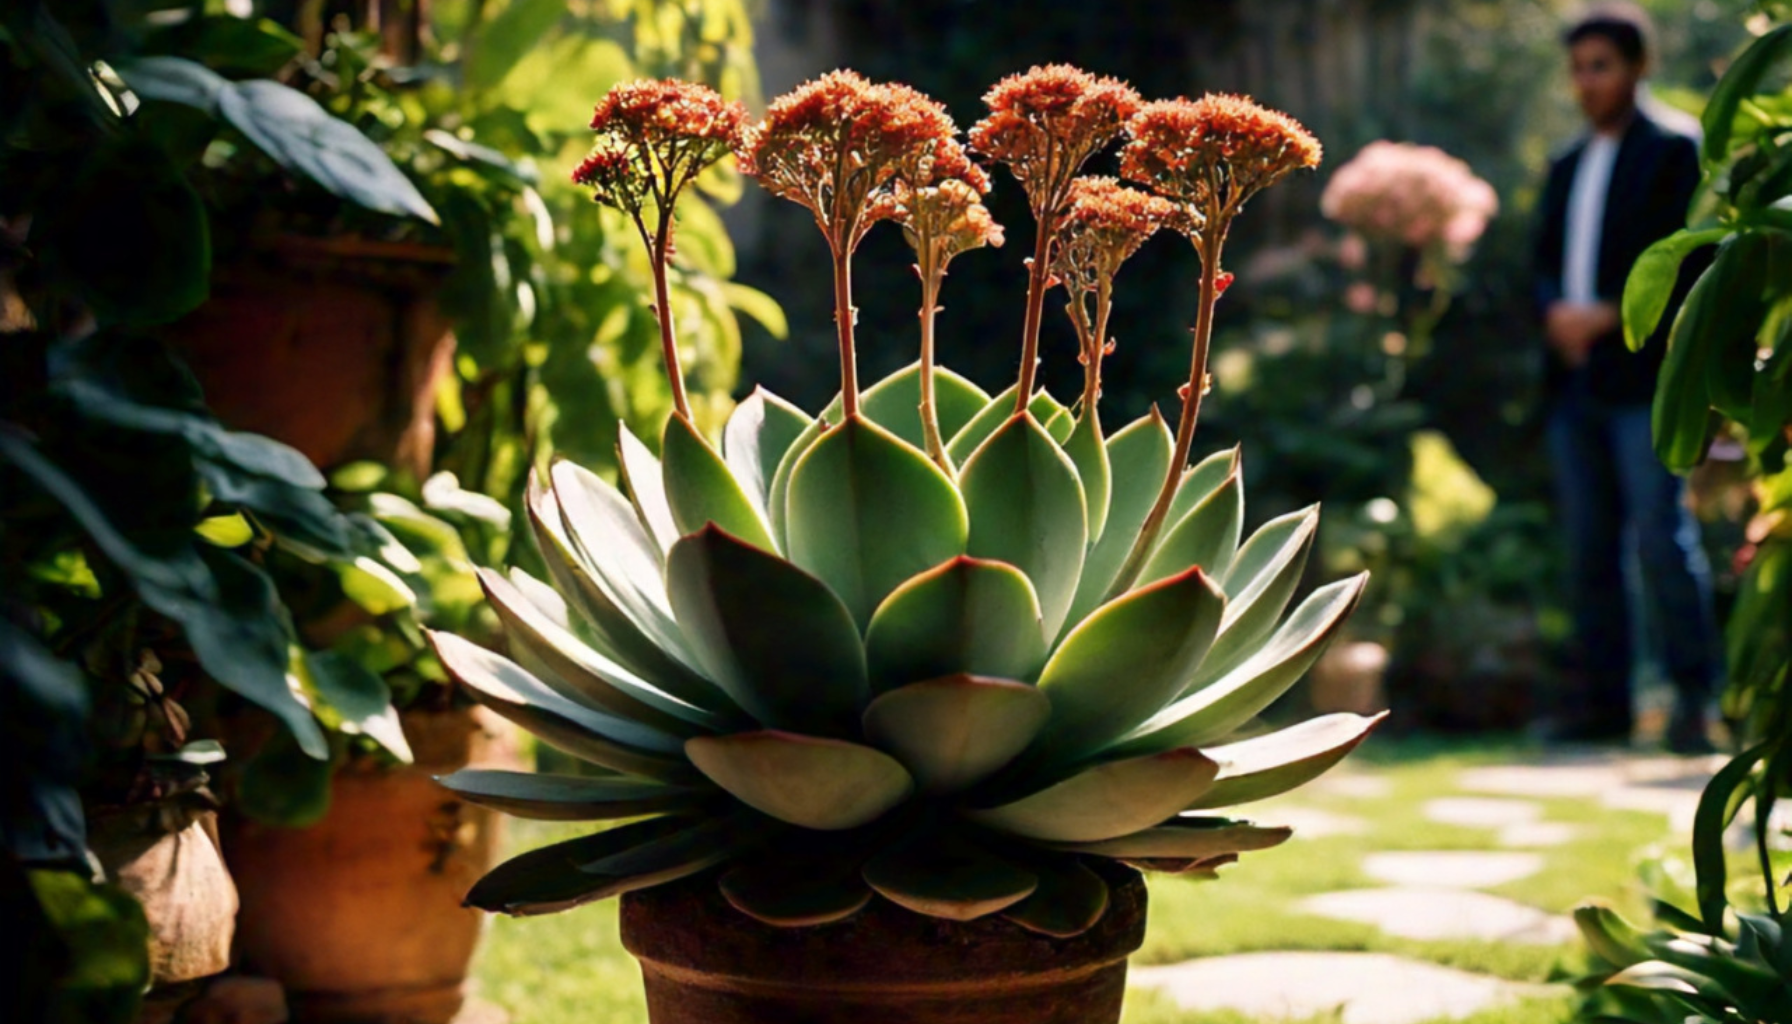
pixel 1360 297
pixel 1411 195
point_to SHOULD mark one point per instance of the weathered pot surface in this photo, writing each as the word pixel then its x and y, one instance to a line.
pixel 703 962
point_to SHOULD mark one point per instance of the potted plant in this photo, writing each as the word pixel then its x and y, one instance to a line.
pixel 900 695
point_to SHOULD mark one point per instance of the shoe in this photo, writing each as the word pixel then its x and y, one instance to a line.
pixel 1686 734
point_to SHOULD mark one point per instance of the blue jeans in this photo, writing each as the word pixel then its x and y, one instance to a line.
pixel 1609 484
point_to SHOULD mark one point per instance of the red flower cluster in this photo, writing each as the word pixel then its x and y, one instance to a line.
pixel 653 137
pixel 1046 123
pixel 1215 152
pixel 841 145
pixel 943 220
pixel 1104 224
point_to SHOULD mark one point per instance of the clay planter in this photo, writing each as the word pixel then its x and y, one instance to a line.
pixel 360 915
pixel 333 345
pixel 703 962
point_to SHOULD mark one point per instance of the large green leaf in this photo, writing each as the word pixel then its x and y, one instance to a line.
pixel 948 875
pixel 707 841
pixel 798 888
pixel 777 495
pixel 1212 712
pixel 1108 800
pixel 550 879
pixel 1609 936
pixel 1069 900
pixel 569 797
pixel 968 615
pixel 566 664
pixel 759 432
pixel 1088 451
pixel 1718 805
pixel 1273 764
pixel 90 941
pixel 353 699
pixel 963 443
pixel 701 490
pixel 867 511
pixel 952 731
pixel 1740 81
pixel 894 403
pixel 1207 536
pixel 1138 456
pixel 1259 586
pixel 1652 279
pixel 1719 319
pixel 503 41
pixel 1026 508
pixel 808 781
pixel 775 638
pixel 1188 837
pixel 646 484
pixel 583 732
pixel 1202 479
pixel 1122 664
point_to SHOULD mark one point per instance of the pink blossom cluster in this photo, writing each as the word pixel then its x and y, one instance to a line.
pixel 1412 195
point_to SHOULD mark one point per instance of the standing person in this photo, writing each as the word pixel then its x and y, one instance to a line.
pixel 1624 185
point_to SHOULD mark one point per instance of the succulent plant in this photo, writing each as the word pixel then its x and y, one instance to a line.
pixel 927 644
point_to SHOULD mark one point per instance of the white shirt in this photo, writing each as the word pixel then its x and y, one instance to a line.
pixel 1586 218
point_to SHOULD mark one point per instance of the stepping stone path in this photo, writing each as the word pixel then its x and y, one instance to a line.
pixel 1481 812
pixel 1412 912
pixel 1454 869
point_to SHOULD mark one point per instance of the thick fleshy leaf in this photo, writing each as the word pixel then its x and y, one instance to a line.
pixel 894 403
pixel 808 781
pixel 953 731
pixel 1259 586
pixel 549 879
pixel 867 511
pixel 610 629
pixel 645 480
pixel 791 889
pixel 1213 712
pixel 541 641
pixel 1202 479
pixel 1026 509
pixel 583 732
pixel 1125 662
pixel 1088 451
pixel 701 489
pixel 777 495
pixel 1207 536
pixel 1197 868
pixel 1108 800
pixel 1194 838
pixel 997 411
pixel 1069 900
pixel 1270 765
pixel 969 615
pixel 1614 939
pixel 547 797
pixel 947 875
pixel 773 637
pixel 759 432
pixel 704 842
pixel 608 537
pixel 1138 457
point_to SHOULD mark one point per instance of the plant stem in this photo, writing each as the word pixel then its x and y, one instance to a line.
pixel 1209 247
pixel 1104 301
pixel 930 414
pixel 1036 278
pixel 844 317
pixel 662 310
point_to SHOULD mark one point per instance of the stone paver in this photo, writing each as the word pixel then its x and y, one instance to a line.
pixel 1427 913
pixel 1451 869
pixel 1481 811
pixel 1525 834
pixel 1371 988
pixel 1350 785
pixel 1308 822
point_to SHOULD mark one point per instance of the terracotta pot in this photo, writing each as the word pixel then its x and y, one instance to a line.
pixel 180 880
pixel 1349 677
pixel 334 346
pixel 703 962
pixel 360 915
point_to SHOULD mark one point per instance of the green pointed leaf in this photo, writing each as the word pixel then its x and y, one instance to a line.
pixel 1205 869
pixel 867 511
pixel 1201 480
pixel 547 797
pixel 1196 838
pixel 1211 713
pixel 705 842
pixel 1088 451
pixel 963 443
pixel 547 880
pixel 948 876
pixel 952 731
pixel 1259 586
pixel 798 889
pixel 967 615
pixel 1138 457
pixel 701 490
pixel 1652 278
pixel 583 732
pixel 894 403
pixel 773 637
pixel 1741 81
pixel 1207 536
pixel 1610 937
pixel 560 659
pixel 1715 327
pixel 1108 800
pixel 1069 900
pixel 645 480
pixel 1125 662
pixel 1026 509
pixel 1273 764
pixel 759 432
pixel 777 496
pixel 808 781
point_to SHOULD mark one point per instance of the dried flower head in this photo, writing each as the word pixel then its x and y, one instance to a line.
pixel 1103 225
pixel 1046 123
pixel 840 145
pixel 653 138
pixel 1215 152
pixel 947 217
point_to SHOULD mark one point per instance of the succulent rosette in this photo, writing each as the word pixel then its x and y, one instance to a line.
pixel 824 666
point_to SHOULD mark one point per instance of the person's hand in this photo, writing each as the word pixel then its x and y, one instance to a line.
pixel 1573 328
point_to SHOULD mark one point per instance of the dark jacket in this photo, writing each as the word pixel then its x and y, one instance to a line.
pixel 1653 179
